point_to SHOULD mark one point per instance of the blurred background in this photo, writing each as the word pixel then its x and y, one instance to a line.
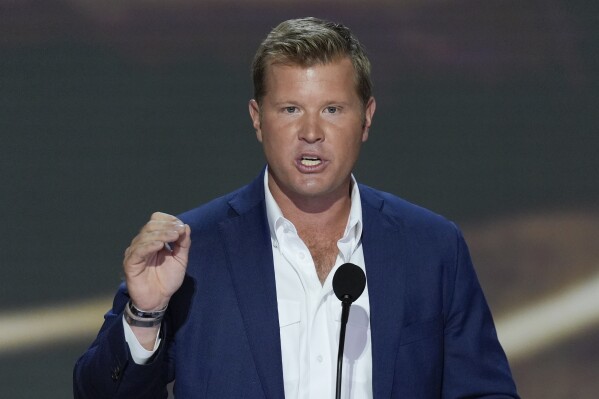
pixel 487 113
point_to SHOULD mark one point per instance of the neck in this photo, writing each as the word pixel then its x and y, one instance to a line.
pixel 324 211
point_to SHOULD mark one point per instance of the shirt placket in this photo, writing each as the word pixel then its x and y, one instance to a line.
pixel 316 356
pixel 319 354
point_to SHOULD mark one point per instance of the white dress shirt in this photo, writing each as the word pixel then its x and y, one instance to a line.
pixel 310 313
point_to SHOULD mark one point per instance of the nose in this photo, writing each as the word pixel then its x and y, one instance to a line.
pixel 311 130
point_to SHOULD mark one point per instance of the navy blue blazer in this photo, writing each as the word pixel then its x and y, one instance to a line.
pixel 431 329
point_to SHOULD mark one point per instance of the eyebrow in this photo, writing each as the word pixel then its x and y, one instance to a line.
pixel 327 103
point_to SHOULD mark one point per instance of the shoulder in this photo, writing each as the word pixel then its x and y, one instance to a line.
pixel 208 214
pixel 233 204
pixel 404 214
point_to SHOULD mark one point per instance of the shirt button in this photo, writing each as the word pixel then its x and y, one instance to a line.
pixel 319 358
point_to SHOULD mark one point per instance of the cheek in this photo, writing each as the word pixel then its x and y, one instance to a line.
pixel 274 148
pixel 351 150
pixel 353 144
pixel 271 143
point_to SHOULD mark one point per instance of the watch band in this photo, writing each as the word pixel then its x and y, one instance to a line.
pixel 139 318
pixel 143 314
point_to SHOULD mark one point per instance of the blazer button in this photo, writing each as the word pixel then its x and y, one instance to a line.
pixel 115 373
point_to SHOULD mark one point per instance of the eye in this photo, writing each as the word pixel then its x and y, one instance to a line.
pixel 290 110
pixel 331 110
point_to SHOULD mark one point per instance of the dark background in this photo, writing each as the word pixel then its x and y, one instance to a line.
pixel 486 113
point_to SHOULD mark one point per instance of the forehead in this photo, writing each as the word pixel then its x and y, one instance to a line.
pixel 338 74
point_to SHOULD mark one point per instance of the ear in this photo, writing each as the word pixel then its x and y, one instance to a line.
pixel 254 108
pixel 368 115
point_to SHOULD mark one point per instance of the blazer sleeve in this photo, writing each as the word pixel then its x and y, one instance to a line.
pixel 475 365
pixel 106 369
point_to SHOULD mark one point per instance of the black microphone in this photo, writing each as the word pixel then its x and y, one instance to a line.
pixel 349 282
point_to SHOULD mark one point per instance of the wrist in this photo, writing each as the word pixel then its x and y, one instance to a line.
pixel 140 312
pixel 141 318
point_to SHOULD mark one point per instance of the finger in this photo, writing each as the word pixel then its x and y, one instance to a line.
pixel 184 240
pixel 166 234
pixel 180 247
pixel 159 225
pixel 141 252
pixel 160 221
pixel 165 217
pixel 168 231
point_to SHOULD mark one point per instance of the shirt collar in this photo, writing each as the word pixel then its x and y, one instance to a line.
pixel 353 229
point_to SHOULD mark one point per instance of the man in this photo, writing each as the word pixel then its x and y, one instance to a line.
pixel 234 299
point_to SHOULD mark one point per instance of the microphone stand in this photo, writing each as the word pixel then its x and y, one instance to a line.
pixel 349 282
pixel 345 304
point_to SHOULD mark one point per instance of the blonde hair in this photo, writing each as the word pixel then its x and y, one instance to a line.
pixel 310 41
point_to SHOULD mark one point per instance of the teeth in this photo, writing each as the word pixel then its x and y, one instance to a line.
pixel 309 161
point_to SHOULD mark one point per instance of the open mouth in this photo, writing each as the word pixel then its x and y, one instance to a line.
pixel 310 161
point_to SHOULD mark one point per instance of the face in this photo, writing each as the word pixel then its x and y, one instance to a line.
pixel 311 124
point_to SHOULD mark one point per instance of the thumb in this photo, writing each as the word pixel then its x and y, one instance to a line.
pixel 182 245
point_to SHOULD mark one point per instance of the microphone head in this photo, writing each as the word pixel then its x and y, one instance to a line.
pixel 349 282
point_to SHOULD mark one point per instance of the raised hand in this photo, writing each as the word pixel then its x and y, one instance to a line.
pixel 156 261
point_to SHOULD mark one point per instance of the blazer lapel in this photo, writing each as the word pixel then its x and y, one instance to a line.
pixel 384 254
pixel 249 250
